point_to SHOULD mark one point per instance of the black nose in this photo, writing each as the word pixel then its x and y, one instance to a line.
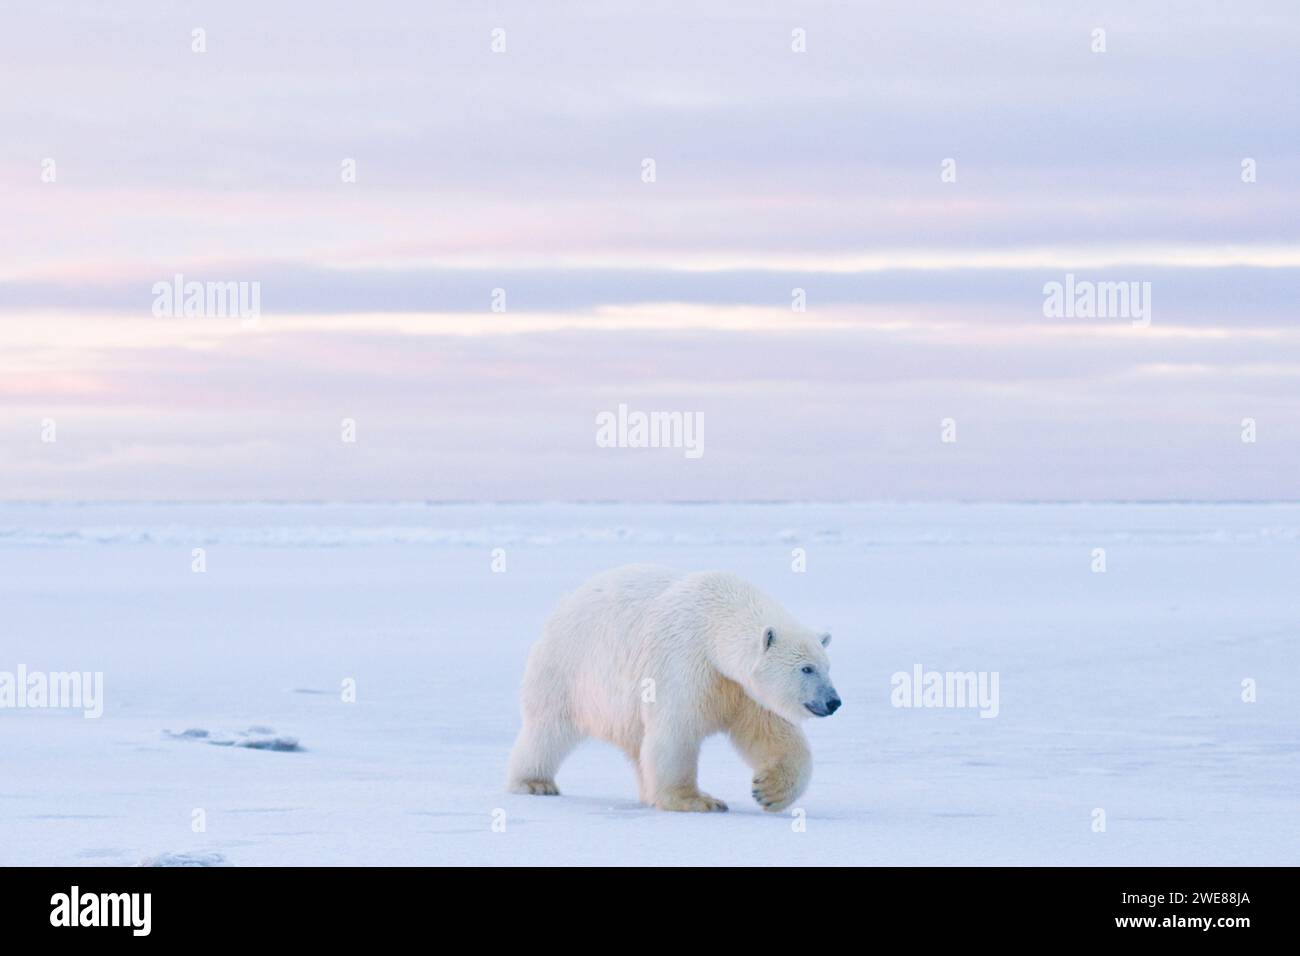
pixel 832 705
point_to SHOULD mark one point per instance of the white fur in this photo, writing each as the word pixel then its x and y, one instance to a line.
pixel 703 641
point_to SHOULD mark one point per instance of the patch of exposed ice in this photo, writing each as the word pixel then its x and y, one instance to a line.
pixel 193 858
pixel 254 738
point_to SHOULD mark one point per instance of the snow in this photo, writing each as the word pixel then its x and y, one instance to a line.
pixel 1120 691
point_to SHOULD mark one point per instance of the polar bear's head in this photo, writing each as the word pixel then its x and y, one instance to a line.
pixel 792 676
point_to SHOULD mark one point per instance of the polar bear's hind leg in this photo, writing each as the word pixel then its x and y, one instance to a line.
pixel 541 748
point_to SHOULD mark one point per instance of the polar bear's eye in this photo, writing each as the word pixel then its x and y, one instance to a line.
pixel 806 669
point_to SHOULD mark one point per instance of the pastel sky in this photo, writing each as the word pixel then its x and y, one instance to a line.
pixel 775 170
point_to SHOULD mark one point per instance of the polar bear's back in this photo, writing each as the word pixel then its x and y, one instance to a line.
pixel 608 615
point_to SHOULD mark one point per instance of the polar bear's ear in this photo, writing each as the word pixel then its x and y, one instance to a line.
pixel 826 640
pixel 769 638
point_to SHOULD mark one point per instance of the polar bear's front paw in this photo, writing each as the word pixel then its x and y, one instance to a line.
pixel 544 788
pixel 776 788
pixel 691 803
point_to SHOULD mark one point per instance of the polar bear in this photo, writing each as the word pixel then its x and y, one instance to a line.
pixel 654 661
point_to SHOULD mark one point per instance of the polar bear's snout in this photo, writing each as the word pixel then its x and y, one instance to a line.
pixel 825 703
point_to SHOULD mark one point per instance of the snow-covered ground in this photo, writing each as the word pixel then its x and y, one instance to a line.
pixel 1120 691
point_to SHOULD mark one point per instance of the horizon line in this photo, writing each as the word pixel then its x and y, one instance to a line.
pixel 687 502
